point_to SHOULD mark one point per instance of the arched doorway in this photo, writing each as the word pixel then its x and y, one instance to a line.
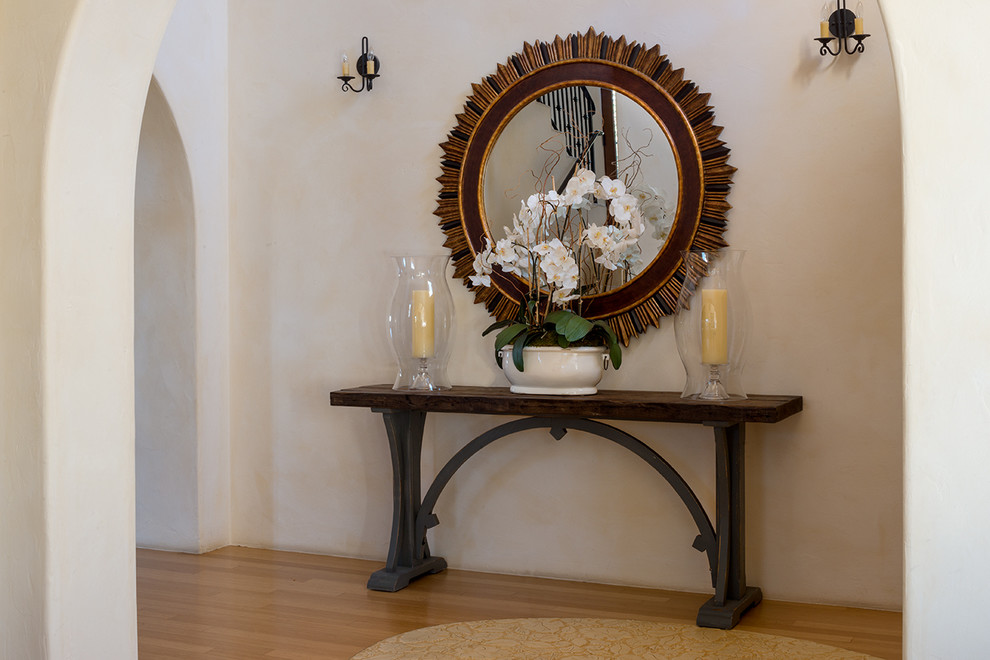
pixel 165 335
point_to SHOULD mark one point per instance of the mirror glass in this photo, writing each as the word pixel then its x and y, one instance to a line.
pixel 592 127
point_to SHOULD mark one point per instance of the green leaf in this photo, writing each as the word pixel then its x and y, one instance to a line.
pixel 569 324
pixel 517 352
pixel 612 337
pixel 496 325
pixel 506 336
pixel 615 354
pixel 612 341
pixel 522 314
pixel 517 348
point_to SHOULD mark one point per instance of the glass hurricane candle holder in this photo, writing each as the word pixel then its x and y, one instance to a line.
pixel 421 322
pixel 712 324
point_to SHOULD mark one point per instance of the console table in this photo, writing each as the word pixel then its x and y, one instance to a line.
pixel 404 413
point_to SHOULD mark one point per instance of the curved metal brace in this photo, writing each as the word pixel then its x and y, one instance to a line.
pixel 859 47
pixel 558 426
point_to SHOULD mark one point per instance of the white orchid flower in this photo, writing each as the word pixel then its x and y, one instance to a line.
pixel 563 277
pixel 562 296
pixel 524 222
pixel 558 264
pixel 661 231
pixel 637 225
pixel 544 205
pixel 574 194
pixel 544 248
pixel 480 280
pixel 635 259
pixel 483 266
pixel 644 196
pixel 509 256
pixel 600 238
pixel 582 183
pixel 527 248
pixel 586 178
pixel 610 188
pixel 606 260
pixel 622 208
pixel 652 213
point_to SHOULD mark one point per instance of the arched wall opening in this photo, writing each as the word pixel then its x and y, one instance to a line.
pixel 166 453
pixel 183 191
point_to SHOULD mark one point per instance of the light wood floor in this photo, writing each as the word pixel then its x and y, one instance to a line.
pixel 240 603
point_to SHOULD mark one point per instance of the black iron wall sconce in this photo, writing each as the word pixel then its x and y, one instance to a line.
pixel 367 66
pixel 841 24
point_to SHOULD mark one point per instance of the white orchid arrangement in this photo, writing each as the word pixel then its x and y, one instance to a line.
pixel 564 256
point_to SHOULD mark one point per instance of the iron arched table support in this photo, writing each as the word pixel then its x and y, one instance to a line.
pixel 722 539
pixel 705 541
pixel 409 552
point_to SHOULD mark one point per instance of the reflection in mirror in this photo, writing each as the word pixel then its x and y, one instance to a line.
pixel 594 128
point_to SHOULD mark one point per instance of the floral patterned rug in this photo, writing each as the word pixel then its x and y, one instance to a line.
pixel 564 639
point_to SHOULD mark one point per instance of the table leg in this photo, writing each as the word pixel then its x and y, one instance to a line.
pixel 405 441
pixel 732 595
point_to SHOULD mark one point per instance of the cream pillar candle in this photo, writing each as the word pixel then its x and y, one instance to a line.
pixel 370 64
pixel 345 66
pixel 422 324
pixel 714 326
pixel 859 25
pixel 826 13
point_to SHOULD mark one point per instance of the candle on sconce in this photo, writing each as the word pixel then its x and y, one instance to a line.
pixel 823 24
pixel 714 326
pixel 345 66
pixel 859 18
pixel 422 324
pixel 370 63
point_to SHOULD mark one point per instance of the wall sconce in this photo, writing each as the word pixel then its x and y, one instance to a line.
pixel 367 66
pixel 843 25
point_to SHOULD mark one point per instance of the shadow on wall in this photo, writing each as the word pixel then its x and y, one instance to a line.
pixel 164 335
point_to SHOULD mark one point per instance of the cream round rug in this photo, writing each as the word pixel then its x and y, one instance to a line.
pixel 560 639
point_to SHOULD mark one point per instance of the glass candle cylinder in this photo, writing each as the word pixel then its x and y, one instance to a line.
pixel 711 325
pixel 421 322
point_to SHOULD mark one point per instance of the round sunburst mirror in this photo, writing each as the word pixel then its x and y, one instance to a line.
pixel 609 105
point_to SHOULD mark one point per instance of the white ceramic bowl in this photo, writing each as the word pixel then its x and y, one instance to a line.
pixel 555 370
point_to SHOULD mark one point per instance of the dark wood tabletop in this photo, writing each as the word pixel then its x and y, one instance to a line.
pixel 607 404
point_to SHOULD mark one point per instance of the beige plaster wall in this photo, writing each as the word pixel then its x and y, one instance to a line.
pixel 945 102
pixel 325 184
pixel 75 76
pixel 34 45
pixel 183 487
pixel 165 405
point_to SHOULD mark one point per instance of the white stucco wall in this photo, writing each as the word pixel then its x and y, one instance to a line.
pixel 945 102
pixel 325 184
pixel 165 405
pixel 33 45
pixel 87 217
pixel 75 76
pixel 183 487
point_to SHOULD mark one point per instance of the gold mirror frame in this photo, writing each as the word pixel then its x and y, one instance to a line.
pixel 681 111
